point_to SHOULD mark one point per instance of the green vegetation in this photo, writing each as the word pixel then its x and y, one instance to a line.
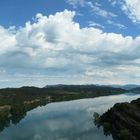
pixel 98 123
pixel 96 119
pixel 107 128
pixel 122 121
pixel 125 134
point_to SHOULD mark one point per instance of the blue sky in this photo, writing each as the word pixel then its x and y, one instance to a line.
pixel 69 42
pixel 17 12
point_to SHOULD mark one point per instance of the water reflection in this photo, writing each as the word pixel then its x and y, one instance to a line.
pixel 71 120
pixel 15 113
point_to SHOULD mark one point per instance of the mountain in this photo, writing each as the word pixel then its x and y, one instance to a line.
pixel 56 92
pixel 85 88
pixel 54 86
pixel 126 87
pixel 136 90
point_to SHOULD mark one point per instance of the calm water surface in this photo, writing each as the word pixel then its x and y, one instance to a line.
pixel 71 120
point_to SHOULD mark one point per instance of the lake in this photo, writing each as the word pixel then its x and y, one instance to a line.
pixel 70 120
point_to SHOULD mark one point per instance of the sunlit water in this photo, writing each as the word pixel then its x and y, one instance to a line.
pixel 71 120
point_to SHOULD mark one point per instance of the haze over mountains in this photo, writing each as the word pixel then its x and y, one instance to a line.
pixel 126 87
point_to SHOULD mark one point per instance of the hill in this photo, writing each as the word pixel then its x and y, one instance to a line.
pixel 122 121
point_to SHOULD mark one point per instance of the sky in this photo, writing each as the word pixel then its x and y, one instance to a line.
pixel 69 42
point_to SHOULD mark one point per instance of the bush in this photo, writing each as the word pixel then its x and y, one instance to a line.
pixel 107 128
pixel 96 118
pixel 125 134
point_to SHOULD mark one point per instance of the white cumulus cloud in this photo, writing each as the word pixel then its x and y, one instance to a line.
pixel 57 46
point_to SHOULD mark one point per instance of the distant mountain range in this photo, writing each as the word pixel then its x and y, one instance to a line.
pixel 126 87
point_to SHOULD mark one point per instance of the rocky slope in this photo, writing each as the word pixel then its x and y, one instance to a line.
pixel 122 121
